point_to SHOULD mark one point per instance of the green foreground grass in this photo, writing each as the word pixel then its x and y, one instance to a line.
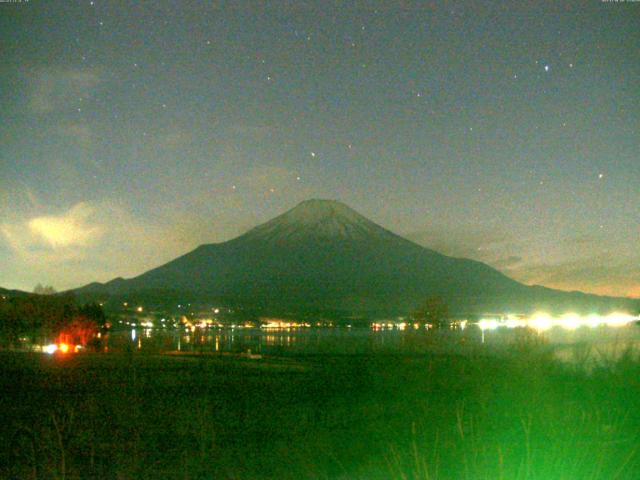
pixel 517 415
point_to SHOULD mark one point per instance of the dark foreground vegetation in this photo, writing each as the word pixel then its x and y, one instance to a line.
pixel 36 319
pixel 519 415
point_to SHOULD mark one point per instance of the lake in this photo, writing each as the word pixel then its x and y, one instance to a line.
pixel 570 342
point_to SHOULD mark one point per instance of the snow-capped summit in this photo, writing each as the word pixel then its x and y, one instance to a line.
pixel 317 218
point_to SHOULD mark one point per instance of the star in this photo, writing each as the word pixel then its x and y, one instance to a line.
pixel 313 154
pixel 601 175
pixel 546 68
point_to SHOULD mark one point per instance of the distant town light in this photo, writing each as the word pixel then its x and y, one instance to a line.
pixel 569 321
pixel 488 324
pixel 541 321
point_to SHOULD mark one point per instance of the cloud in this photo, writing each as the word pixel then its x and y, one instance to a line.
pixel 53 238
pixel 576 268
pixel 475 242
pixel 88 242
pixel 55 88
pixel 69 229
pixel 507 262
pixel 16 197
pixel 604 275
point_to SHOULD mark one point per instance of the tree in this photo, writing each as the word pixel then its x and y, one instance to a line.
pixel 434 311
pixel 94 313
pixel 44 289
pixel 45 317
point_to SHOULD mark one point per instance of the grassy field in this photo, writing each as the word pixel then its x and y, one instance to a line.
pixel 517 415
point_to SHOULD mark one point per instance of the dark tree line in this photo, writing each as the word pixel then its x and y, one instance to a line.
pixel 434 311
pixel 39 318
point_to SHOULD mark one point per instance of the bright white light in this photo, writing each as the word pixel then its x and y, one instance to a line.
pixel 541 322
pixel 488 324
pixel 50 349
pixel 514 323
pixel 618 319
pixel 571 321
pixel 593 320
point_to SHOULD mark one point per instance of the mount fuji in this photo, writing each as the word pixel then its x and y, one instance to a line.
pixel 323 256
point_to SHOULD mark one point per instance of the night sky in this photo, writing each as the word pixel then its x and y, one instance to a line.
pixel 133 132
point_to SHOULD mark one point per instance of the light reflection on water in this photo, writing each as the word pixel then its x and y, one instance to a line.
pixel 603 341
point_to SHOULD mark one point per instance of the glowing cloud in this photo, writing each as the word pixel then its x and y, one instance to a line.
pixel 53 237
pixel 66 230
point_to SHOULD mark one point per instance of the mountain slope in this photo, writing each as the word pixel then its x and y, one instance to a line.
pixel 322 255
pixel 13 293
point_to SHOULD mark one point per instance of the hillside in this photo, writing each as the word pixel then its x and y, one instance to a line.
pixel 322 255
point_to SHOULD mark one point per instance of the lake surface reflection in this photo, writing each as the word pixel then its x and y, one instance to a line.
pixel 571 344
